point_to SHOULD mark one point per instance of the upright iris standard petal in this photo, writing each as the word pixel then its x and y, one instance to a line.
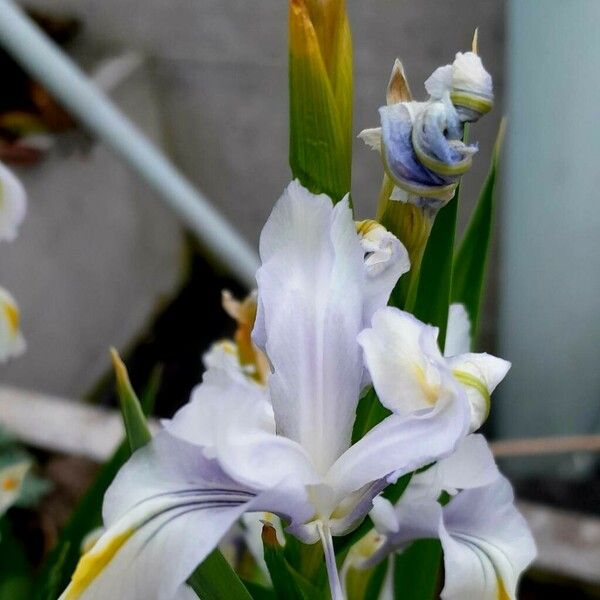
pixel 12 342
pixel 12 204
pixel 311 308
pixel 458 331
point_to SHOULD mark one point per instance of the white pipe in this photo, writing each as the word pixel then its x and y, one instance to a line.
pixel 32 49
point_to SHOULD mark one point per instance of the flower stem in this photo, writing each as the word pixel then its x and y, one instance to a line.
pixel 332 572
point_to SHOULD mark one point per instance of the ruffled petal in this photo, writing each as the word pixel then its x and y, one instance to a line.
pixel 372 138
pixel 386 260
pixel 406 366
pixel 13 204
pixel 232 420
pixel 479 375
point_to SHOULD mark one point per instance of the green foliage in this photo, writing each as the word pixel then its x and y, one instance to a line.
pixel 214 579
pixel 287 582
pixel 433 296
pixel 416 571
pixel 15 576
pixel 471 259
pixel 136 428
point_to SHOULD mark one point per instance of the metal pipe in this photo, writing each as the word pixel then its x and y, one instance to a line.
pixel 46 63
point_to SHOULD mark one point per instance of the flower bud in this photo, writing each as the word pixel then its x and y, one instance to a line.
pixel 467 82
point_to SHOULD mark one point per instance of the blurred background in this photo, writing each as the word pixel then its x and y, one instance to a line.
pixel 103 261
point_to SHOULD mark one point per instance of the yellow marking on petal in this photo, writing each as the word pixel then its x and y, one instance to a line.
pixel 502 593
pixel 479 104
pixel 9 484
pixel 476 383
pixel 363 228
pixel 431 391
pixel 91 565
pixel 12 315
pixel 229 347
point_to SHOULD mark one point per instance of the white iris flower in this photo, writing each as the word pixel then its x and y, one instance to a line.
pixel 285 446
pixel 486 542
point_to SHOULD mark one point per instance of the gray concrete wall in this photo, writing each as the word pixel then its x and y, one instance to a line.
pixel 221 71
pixel 219 68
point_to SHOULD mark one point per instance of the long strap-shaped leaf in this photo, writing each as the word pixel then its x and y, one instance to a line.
pixel 471 258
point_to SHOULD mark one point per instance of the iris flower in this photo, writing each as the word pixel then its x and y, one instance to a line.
pixel 485 540
pixel 283 446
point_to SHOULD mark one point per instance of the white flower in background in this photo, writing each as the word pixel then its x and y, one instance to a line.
pixel 12 342
pixel 11 483
pixel 486 542
pixel 283 448
pixel 12 204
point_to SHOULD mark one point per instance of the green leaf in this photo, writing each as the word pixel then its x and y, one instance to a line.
pixel 416 571
pixel 287 582
pixel 136 427
pixel 366 584
pixel 471 259
pixel 259 592
pixel 433 296
pixel 15 572
pixel 368 413
pixel 214 579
